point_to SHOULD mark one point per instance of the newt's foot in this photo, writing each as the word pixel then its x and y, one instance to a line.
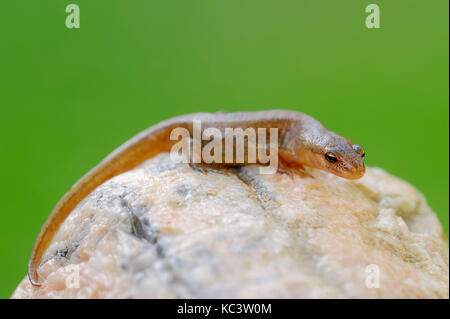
pixel 292 169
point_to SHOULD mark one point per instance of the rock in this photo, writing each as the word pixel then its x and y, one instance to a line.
pixel 167 230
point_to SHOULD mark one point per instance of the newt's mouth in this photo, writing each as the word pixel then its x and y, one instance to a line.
pixel 351 172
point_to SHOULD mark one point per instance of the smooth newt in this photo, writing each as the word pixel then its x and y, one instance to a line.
pixel 302 141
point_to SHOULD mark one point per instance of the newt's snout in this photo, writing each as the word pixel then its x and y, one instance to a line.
pixel 352 162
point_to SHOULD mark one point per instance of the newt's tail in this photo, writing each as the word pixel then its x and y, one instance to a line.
pixel 143 146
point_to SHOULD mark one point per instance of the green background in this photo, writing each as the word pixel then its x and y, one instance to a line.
pixel 70 97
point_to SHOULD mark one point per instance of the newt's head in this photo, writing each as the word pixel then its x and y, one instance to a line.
pixel 336 154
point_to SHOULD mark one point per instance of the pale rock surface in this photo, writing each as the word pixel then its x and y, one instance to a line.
pixel 166 230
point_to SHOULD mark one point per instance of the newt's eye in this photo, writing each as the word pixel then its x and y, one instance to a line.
pixel 330 157
pixel 358 149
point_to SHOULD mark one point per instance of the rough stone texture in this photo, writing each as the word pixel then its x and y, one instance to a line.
pixel 166 230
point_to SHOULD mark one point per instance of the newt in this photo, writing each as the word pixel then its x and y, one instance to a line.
pixel 302 141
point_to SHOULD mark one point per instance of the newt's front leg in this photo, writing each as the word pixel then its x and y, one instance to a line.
pixel 289 167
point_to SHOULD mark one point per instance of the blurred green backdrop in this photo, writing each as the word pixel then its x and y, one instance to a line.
pixel 69 97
